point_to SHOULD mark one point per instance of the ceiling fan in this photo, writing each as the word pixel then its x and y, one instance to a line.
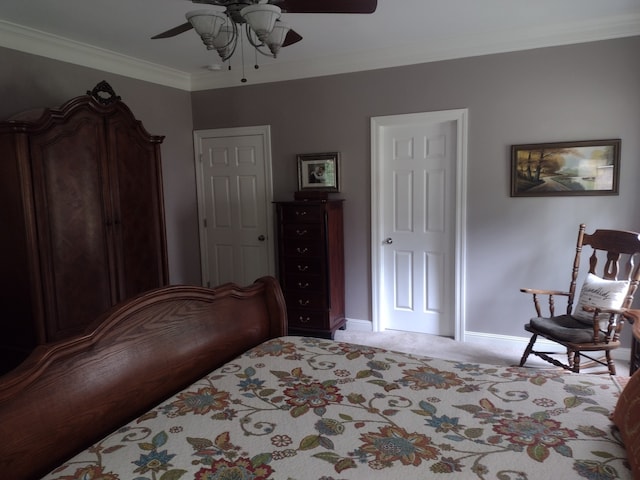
pixel 220 30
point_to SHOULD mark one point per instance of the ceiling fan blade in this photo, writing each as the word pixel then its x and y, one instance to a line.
pixel 174 31
pixel 291 38
pixel 213 2
pixel 327 6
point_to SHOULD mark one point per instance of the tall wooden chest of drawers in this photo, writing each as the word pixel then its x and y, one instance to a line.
pixel 311 265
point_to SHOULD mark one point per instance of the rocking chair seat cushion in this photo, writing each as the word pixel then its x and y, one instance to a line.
pixel 564 328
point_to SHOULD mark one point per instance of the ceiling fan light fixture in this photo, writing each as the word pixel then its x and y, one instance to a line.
pixel 207 24
pixel 224 41
pixel 261 17
pixel 277 36
pixel 221 30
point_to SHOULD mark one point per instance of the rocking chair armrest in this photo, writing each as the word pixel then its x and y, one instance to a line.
pixel 611 325
pixel 549 294
pixel 536 291
pixel 593 309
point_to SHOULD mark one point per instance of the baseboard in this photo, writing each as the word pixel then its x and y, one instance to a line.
pixel 356 325
pixel 489 340
pixel 496 341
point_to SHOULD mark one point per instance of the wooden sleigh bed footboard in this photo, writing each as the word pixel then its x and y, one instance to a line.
pixel 69 394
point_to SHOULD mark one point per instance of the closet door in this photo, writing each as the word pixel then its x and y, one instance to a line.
pixel 72 217
pixel 136 189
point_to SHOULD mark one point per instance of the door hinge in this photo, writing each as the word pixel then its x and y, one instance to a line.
pixel 204 222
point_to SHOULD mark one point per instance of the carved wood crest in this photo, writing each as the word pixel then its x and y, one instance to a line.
pixel 103 93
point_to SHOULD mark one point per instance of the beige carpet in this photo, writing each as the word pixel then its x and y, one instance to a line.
pixel 447 348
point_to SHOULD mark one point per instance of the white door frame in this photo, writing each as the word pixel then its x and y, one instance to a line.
pixel 460 117
pixel 265 132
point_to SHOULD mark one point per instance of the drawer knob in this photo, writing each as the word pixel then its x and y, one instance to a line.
pixel 302 250
pixel 303 303
pixel 301 232
pixel 303 285
pixel 302 319
pixel 303 268
pixel 301 213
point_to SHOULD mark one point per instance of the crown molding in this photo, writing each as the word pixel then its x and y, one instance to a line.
pixel 447 49
pixel 32 41
pixel 28 40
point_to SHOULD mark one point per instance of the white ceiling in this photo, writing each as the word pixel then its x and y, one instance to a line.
pixel 114 35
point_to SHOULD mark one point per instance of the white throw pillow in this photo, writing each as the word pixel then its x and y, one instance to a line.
pixel 601 293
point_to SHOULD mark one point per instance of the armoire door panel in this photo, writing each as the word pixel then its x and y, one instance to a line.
pixel 72 236
pixel 137 203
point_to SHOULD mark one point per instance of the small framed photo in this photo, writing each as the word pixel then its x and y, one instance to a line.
pixel 588 167
pixel 319 171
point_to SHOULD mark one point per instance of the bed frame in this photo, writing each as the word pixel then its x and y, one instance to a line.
pixel 69 394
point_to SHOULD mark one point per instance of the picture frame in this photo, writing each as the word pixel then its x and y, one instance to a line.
pixel 587 167
pixel 319 171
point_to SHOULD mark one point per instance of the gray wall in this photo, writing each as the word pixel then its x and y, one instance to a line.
pixel 579 92
pixel 29 81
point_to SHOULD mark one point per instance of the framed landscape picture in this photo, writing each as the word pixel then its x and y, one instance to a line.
pixel 590 167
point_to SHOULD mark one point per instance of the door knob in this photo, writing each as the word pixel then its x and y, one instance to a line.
pixel 261 238
pixel 388 240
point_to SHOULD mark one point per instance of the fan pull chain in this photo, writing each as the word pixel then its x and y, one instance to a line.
pixel 244 79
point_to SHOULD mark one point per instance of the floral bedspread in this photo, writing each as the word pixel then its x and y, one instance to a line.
pixel 307 409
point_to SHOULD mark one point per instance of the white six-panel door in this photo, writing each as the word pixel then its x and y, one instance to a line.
pixel 415 223
pixel 234 204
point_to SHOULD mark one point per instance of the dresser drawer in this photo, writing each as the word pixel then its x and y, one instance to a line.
pixel 303 248
pixel 302 231
pixel 302 299
pixel 304 283
pixel 307 318
pixel 302 214
pixel 313 266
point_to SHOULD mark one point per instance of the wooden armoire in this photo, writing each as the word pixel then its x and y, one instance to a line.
pixel 82 219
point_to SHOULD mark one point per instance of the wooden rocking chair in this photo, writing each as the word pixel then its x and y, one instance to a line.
pixel 595 323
